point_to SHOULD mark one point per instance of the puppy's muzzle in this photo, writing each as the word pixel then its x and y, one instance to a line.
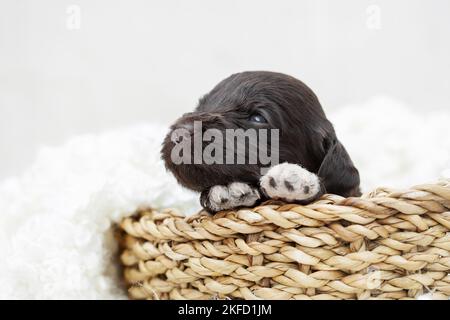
pixel 191 127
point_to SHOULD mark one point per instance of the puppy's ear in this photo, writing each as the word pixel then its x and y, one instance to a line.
pixel 337 172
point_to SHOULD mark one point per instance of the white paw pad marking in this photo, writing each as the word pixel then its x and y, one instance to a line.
pixel 290 182
pixel 236 194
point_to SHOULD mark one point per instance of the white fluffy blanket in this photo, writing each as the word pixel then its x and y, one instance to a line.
pixel 56 218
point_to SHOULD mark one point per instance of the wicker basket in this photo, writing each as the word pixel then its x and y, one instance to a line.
pixel 388 244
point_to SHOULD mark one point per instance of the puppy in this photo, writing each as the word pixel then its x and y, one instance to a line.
pixel 311 160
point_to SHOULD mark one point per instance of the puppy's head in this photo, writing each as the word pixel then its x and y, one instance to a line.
pixel 252 101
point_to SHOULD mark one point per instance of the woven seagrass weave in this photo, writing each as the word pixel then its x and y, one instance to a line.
pixel 388 244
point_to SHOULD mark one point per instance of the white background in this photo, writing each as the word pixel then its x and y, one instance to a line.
pixel 140 61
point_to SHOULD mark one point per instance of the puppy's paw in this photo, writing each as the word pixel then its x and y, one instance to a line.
pixel 290 182
pixel 236 194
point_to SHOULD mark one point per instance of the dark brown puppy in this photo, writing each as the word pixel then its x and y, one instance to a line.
pixel 313 161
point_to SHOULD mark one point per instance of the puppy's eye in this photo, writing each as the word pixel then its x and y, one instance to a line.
pixel 257 118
